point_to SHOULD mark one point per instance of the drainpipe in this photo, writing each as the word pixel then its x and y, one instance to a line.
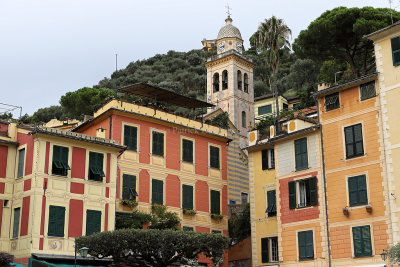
pixel 324 177
pixel 110 125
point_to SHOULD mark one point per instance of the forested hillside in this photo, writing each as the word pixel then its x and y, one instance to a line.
pixel 333 44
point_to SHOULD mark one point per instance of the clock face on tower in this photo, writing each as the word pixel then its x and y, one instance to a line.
pixel 239 47
pixel 221 46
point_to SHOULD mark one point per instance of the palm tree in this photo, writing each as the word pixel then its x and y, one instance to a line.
pixel 271 36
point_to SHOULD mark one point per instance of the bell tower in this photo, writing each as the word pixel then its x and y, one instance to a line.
pixel 230 79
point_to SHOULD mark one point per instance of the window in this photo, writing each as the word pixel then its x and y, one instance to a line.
pixel 301 155
pixel 243 119
pixel 56 221
pixel 96 172
pixel 130 137
pixel 187 197
pixel 60 161
pixel 244 197
pixel 367 90
pixel 216 82
pixel 187 150
pixel 271 203
pixel 224 80
pixel 269 249
pixel 303 193
pixel 264 109
pixel 239 80
pixel 246 83
pixel 332 101
pixel 186 228
pixel 396 50
pixel 362 241
pixel 158 144
pixel 214 157
pixel 306 245
pixel 21 163
pixel 285 106
pixel 17 215
pixel 354 141
pixel 129 187
pixel 216 232
pixel 93 222
pixel 215 202
pixel 232 202
pixel 357 190
pixel 267 159
pixel 157 192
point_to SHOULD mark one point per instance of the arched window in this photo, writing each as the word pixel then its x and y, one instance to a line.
pixel 243 119
pixel 246 83
pixel 239 79
pixel 224 80
pixel 216 82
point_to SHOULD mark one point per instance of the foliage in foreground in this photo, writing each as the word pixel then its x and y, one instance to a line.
pixel 239 225
pixel 158 248
pixel 5 259
pixel 394 254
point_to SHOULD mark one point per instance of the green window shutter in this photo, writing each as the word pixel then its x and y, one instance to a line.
pixel 96 172
pixel 348 134
pixel 157 192
pixel 93 222
pixel 64 157
pixel 158 144
pixel 187 229
pixel 366 240
pixel 128 184
pixel 362 189
pixel 357 242
pixel 264 250
pixel 187 197
pixel 301 240
pixel 271 199
pixel 312 182
pixel 264 159
pixel 395 42
pixel 292 194
pixel 17 215
pixel 357 190
pixel 353 191
pixel 301 156
pixel 309 245
pixel 214 157
pixel 215 202
pixel 60 160
pixel 21 161
pixel 130 137
pixel 358 139
pixel 56 221
pixel 187 150
pixel 354 141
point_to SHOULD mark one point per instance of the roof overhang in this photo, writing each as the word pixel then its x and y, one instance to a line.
pixel 6 142
pixel 379 34
pixel 346 85
pixel 162 95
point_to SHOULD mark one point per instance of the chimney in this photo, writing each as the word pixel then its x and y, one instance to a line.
pixel 323 85
pixel 87 117
pixel 101 132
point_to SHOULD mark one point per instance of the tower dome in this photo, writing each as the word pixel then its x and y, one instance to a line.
pixel 229 30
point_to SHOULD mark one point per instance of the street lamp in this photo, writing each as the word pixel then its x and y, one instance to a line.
pixel 384 254
pixel 83 251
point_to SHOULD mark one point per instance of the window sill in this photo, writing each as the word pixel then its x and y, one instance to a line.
pixel 360 257
pixel 90 180
pixel 61 176
pixel 298 170
pixel 355 157
pixel 362 100
pixel 53 236
pixel 213 168
pixel 305 207
pixel 302 260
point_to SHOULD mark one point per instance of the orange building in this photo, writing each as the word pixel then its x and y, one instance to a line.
pixel 170 159
pixel 358 218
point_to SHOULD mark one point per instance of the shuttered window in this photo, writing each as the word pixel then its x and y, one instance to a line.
pixel 56 221
pixel 271 201
pixel 367 90
pixel 264 249
pixel 264 109
pixel 129 187
pixel 187 150
pixel 303 193
pixel 301 155
pixel 267 159
pixel 187 197
pixel 158 144
pixel 17 215
pixel 60 161
pixel 306 245
pixel 130 137
pixel 187 229
pixel 396 50
pixel 332 101
pixel 354 141
pixel 362 241
pixel 93 221
pixel 157 192
pixel 357 190
pixel 215 202
pixel 214 157
pixel 21 163
pixel 96 172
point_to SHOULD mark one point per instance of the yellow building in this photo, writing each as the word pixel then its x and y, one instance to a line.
pixel 266 106
pixel 387 47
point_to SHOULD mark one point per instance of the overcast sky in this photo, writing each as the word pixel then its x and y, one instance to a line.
pixel 50 47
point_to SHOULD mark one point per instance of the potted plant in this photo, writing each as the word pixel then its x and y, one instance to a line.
pixel 346 211
pixel 190 212
pixel 129 203
pixel 217 217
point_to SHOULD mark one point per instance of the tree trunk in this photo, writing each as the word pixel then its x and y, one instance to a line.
pixel 275 88
pixel 350 60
